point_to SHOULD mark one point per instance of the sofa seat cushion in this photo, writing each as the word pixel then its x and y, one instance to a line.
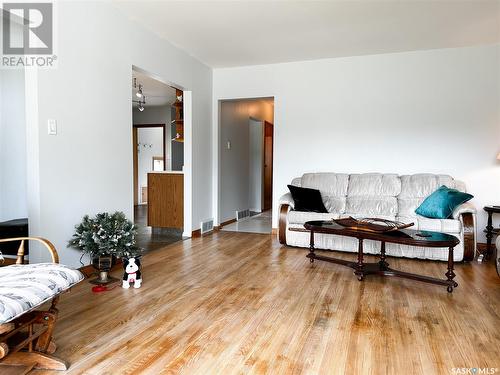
pixel 435 225
pixel 25 287
pixel 300 217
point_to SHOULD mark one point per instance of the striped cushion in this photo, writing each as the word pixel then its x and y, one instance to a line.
pixel 25 287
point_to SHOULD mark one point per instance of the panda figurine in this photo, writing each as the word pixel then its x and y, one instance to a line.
pixel 132 274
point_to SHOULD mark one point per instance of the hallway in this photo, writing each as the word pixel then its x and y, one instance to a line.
pixel 260 223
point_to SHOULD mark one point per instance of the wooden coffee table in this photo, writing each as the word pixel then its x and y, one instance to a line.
pixel 404 237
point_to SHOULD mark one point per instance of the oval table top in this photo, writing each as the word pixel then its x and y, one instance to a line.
pixel 404 236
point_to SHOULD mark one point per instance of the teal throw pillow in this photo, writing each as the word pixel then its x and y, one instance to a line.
pixel 441 203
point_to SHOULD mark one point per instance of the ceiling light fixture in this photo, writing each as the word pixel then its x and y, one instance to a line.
pixel 142 98
pixel 140 103
pixel 139 93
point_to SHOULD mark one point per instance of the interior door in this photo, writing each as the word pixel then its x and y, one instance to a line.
pixel 268 165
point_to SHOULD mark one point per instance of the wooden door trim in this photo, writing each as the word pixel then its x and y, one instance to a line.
pixel 135 167
pixel 163 126
pixel 271 125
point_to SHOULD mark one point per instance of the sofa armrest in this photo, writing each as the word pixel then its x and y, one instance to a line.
pixel 466 213
pixel 285 204
pixel 465 208
pixel 287 199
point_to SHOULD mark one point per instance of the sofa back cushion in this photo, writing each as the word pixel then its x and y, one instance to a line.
pixel 333 188
pixel 415 188
pixel 372 206
pixel 423 185
pixel 373 195
pixel 374 185
pixel 296 181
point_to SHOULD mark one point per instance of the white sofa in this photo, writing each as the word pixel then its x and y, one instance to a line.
pixel 387 196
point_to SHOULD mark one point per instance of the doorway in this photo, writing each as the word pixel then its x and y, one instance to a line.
pixel 246 133
pixel 158 161
pixel 149 152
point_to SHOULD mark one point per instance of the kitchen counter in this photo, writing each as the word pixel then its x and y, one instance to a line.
pixel 166 199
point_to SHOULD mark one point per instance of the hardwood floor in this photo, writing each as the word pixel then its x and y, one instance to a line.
pixel 233 303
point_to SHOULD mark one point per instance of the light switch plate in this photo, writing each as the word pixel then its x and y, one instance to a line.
pixel 52 127
pixel 229 145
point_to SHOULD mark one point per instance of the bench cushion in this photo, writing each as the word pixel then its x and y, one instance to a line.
pixel 25 287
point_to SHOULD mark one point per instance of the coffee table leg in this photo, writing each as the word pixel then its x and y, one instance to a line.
pixel 489 235
pixel 383 264
pixel 311 247
pixel 450 274
pixel 359 266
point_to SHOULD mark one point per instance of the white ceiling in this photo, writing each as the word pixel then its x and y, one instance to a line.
pixel 156 92
pixel 236 33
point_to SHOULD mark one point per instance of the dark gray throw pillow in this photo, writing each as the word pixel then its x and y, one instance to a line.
pixel 306 199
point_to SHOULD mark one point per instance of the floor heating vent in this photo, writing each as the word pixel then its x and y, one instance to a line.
pixel 207 226
pixel 242 214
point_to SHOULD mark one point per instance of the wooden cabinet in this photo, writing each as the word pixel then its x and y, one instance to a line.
pixel 166 200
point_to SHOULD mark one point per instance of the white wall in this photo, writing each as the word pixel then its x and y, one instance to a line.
pixel 152 115
pixel 13 174
pixel 86 168
pixel 427 111
pixel 256 165
pixel 234 161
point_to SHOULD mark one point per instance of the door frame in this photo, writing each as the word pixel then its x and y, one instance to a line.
pixel 135 143
pixel 216 153
pixel 270 206
pixel 188 145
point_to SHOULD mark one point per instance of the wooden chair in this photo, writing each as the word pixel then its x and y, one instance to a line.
pixel 26 342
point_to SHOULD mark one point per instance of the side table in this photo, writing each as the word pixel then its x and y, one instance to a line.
pixel 490 231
